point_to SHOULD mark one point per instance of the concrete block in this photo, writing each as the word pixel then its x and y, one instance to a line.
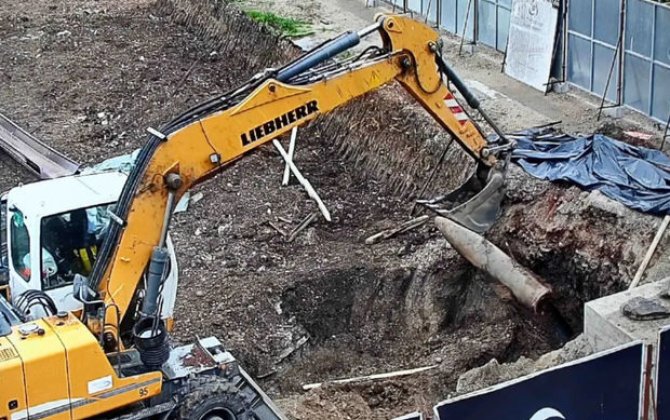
pixel 614 112
pixel 562 87
pixel 468 48
pixel 605 326
pixel 598 200
pixel 600 331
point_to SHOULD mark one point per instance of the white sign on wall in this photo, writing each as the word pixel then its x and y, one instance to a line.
pixel 531 41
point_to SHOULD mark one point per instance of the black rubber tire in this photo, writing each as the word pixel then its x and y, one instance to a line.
pixel 214 398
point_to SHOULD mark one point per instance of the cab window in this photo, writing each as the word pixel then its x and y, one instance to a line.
pixel 20 244
pixel 70 243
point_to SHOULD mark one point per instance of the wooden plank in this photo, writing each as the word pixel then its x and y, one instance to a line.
pixel 650 253
pixel 39 158
pixel 374 377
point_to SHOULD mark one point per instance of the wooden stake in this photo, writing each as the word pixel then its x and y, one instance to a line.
pixel 291 152
pixel 303 181
pixel 404 227
pixel 650 253
pixel 277 228
pixel 465 27
pixel 377 376
pixel 186 76
pixel 432 174
pixel 302 226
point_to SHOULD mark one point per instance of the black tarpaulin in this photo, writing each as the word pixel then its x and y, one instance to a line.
pixel 635 176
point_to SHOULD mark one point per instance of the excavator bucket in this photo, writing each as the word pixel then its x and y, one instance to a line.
pixel 475 204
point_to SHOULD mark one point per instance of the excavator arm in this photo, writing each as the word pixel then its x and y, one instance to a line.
pixel 207 138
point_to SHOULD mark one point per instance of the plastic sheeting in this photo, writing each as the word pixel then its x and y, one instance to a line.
pixel 123 163
pixel 635 176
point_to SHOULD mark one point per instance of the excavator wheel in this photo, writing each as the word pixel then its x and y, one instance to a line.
pixel 214 398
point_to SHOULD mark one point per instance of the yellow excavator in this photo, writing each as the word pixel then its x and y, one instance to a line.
pixel 113 359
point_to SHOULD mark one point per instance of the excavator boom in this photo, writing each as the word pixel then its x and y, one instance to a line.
pixel 205 139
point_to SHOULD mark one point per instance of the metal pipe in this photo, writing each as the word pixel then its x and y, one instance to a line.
pixel 369 29
pixel 622 53
pixel 609 79
pixel 470 98
pixel 166 219
pixel 159 260
pixel 328 50
pixel 526 286
pixel 321 54
pixel 453 77
pixel 665 133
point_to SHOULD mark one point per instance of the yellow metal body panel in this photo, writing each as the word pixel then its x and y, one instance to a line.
pixel 169 324
pixel 271 110
pixel 94 385
pixel 45 372
pixel 66 374
pixel 12 383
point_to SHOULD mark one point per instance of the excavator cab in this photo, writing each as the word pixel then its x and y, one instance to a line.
pixel 46 242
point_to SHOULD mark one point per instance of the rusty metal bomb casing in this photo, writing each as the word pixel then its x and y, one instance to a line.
pixel 526 286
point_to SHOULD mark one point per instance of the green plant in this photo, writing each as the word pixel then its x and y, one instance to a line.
pixel 289 27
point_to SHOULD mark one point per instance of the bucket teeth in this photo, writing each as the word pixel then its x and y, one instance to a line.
pixel 479 208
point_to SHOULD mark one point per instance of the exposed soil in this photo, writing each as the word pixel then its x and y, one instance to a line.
pixel 89 76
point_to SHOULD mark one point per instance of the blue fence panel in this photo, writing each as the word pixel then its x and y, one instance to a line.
pixel 487 23
pixel 593 35
pixel 602 386
pixel 637 82
pixel 493 22
pixel 453 16
pixel 660 89
pixel 504 16
pixel 448 14
pixel 429 9
pixel 647 58
pixel 663 375
pixel 579 61
pixel 461 14
pixel 414 5
pixel 662 40
pixel 637 68
pixel 606 24
pixel 580 44
pixel 660 105
pixel 639 20
pixel 580 17
pixel 602 59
